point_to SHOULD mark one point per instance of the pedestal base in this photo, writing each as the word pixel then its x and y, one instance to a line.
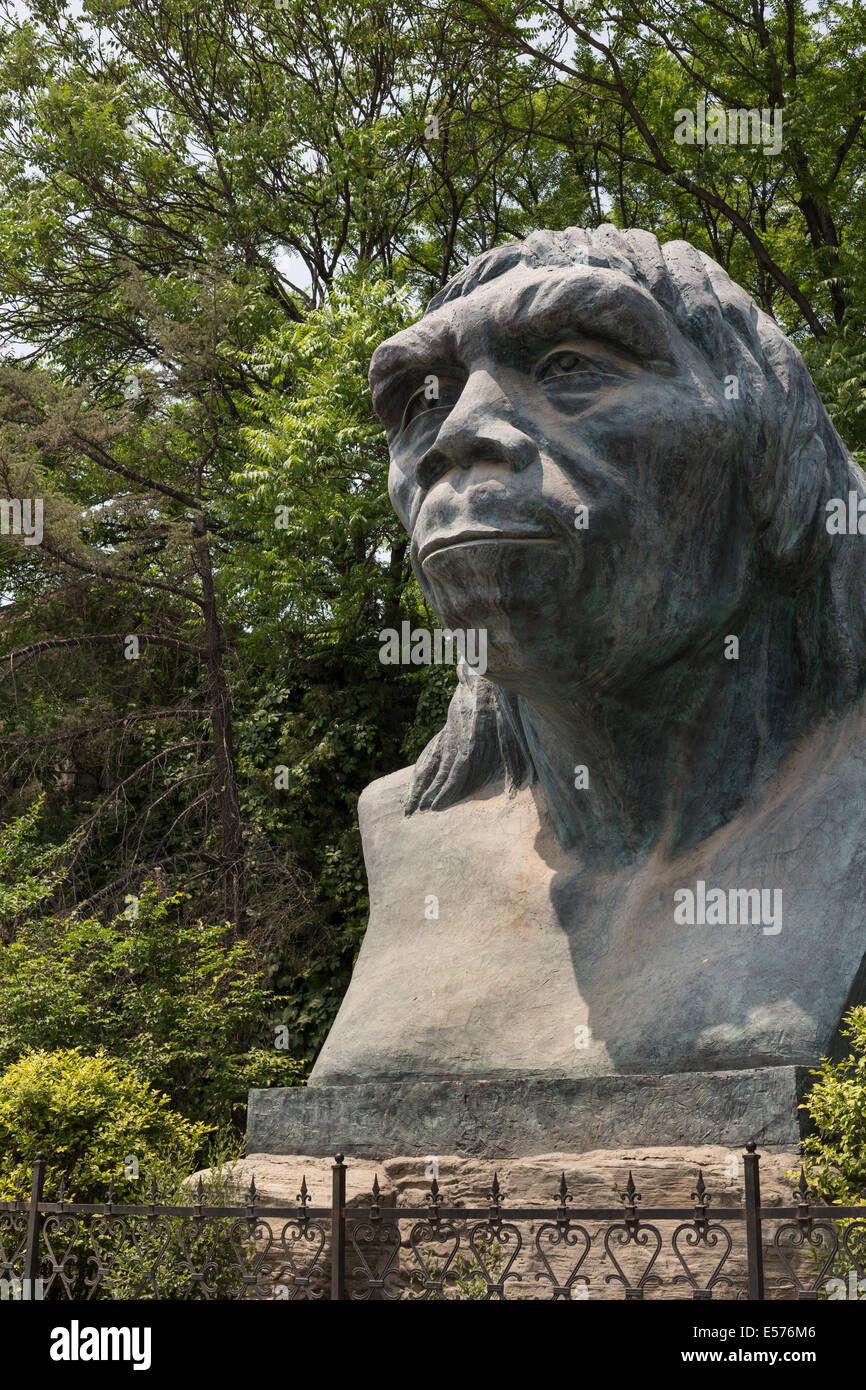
pixel 519 1118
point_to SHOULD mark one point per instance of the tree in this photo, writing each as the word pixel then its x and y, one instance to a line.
pixel 617 74
pixel 138 515
pixel 156 165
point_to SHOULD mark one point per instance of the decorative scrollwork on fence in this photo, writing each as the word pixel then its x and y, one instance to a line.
pixel 491 1241
pixel 854 1245
pixel 702 1234
pixel 632 1232
pixel 13 1244
pixel 381 1240
pixel 65 1239
pixel 563 1234
pixel 430 1271
pixel 301 1246
pixel 820 1238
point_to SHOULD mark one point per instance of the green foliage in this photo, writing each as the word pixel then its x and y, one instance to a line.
pixel 835 1153
pixel 88 1115
pixel 183 1004
pixel 104 1128
pixel 838 366
pixel 320 558
pixel 28 874
pixel 159 1260
pixel 463 1280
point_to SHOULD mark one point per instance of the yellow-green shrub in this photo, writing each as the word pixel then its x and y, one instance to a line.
pixel 90 1115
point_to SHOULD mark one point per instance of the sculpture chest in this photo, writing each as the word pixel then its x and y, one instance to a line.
pixel 492 953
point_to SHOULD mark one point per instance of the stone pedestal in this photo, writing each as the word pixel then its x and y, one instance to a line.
pixel 520 1118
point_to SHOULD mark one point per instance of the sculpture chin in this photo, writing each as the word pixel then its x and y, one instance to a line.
pixel 504 585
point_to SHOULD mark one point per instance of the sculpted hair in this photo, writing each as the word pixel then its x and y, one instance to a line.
pixel 797 462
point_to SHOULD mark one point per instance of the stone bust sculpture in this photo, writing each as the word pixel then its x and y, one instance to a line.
pixel 638 845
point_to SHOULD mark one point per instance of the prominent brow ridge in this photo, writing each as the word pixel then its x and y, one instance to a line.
pixel 533 325
pixel 602 320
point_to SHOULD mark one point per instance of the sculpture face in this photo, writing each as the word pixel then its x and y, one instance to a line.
pixel 540 401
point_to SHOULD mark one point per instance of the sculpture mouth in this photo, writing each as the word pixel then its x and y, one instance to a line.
pixel 488 537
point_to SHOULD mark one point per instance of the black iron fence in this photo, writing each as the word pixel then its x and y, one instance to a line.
pixel 363 1249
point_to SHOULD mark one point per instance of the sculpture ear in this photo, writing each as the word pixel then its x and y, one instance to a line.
pixel 480 743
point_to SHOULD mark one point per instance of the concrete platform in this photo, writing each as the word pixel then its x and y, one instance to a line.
pixel 519 1118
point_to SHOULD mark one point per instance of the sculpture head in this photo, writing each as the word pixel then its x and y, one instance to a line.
pixel 607 456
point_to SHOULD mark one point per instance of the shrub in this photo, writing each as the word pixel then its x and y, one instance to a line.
pixel 183 1004
pixel 834 1154
pixel 89 1115
pixel 156 1258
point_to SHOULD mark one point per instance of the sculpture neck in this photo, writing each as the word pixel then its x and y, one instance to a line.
pixel 679 753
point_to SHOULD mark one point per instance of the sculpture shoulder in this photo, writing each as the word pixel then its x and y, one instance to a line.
pixel 380 805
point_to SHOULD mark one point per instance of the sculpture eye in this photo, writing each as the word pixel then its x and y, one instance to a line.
pixel 437 393
pixel 566 362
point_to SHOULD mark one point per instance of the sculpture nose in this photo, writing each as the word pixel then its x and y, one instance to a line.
pixel 477 430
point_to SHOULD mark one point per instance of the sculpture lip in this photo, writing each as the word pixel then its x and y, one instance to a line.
pixel 470 537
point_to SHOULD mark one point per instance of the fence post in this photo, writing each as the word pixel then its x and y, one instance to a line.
pixel 754 1246
pixel 32 1258
pixel 338 1230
